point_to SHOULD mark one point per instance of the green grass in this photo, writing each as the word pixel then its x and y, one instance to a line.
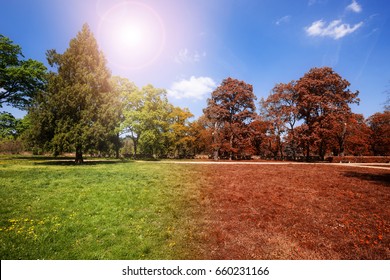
pixel 103 210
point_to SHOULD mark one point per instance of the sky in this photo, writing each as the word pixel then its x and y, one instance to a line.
pixel 188 47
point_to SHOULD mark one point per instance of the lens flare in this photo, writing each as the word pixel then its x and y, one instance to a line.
pixel 132 35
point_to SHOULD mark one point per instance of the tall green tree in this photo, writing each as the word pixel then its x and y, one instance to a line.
pixel 20 80
pixel 79 110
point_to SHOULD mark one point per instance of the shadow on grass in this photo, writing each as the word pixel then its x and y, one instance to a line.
pixel 383 179
pixel 72 162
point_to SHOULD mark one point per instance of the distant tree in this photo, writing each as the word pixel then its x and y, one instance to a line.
pixel 281 112
pixel 259 129
pixel 348 135
pixel 358 133
pixel 121 89
pixel 8 126
pixel 231 109
pixel 20 80
pixel 78 110
pixel 146 114
pixel 380 137
pixel 321 95
pixel 180 134
pixel 202 132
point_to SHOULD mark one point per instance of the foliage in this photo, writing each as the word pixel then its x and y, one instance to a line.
pixel 380 137
pixel 180 132
pixel 231 109
pixel 281 112
pixel 20 80
pixel 78 111
pixel 322 97
pixel 312 116
pixel 154 125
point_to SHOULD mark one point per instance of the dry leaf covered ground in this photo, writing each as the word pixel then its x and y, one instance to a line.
pixel 295 212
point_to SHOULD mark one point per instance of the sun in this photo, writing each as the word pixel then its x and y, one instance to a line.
pixel 131 35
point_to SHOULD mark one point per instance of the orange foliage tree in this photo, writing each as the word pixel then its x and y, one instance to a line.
pixel 323 100
pixel 380 137
pixel 230 110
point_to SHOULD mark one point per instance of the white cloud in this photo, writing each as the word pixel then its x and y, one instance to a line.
pixel 354 7
pixel 285 19
pixel 185 56
pixel 194 88
pixel 336 29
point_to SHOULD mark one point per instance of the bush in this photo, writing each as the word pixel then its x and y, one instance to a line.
pixel 8 146
pixel 360 159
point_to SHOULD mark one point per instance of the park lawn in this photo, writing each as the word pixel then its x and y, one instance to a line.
pixel 53 209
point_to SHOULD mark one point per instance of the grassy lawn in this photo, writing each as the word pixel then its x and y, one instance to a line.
pixel 53 209
pixel 101 210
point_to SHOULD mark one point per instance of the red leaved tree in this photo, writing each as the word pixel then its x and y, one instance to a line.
pixel 231 109
pixel 322 97
pixel 380 137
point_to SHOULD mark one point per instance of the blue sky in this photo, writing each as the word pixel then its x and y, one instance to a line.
pixel 189 47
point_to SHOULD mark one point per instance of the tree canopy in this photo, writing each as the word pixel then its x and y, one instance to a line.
pixel 78 107
pixel 20 80
pixel 231 109
pixel 77 111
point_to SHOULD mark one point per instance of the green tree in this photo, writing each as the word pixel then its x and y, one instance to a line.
pixel 146 119
pixel 20 80
pixel 78 111
pixel 8 126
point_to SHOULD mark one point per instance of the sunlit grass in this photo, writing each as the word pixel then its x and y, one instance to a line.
pixel 108 210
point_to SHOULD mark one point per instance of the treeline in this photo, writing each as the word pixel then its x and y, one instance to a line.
pixel 78 107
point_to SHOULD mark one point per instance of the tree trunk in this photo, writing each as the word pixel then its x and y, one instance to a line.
pixel 231 147
pixel 322 150
pixel 215 154
pixel 117 145
pixel 79 155
pixel 342 140
pixel 307 151
pixel 215 134
pixel 135 143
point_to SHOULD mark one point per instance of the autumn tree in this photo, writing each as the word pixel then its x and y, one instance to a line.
pixel 322 96
pixel 77 111
pixel 20 80
pixel 180 134
pixel 281 112
pixel 202 132
pixel 231 108
pixel 380 137
pixel 259 129
pixel 357 141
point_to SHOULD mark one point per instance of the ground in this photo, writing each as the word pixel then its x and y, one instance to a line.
pixel 53 209
pixel 296 212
